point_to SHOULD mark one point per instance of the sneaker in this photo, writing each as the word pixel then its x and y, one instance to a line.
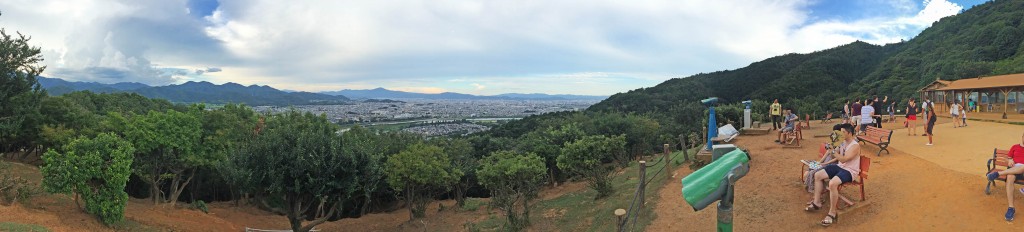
pixel 1009 214
pixel 927 144
pixel 992 176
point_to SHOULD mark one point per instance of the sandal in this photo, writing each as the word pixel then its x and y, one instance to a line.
pixel 829 220
pixel 812 207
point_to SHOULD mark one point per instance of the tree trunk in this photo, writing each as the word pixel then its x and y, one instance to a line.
pixel 177 186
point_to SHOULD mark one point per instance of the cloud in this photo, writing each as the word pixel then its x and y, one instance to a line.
pixel 593 46
pixel 420 89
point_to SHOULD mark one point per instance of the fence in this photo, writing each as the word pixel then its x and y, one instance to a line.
pixel 627 218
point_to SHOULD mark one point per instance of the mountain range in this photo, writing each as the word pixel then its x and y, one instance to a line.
pixel 206 92
pixel 382 93
pixel 985 40
pixel 195 92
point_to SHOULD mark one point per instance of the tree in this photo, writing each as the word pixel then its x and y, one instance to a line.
pixel 419 172
pixel 295 161
pixel 514 180
pixel 583 157
pixel 167 147
pixel 461 153
pixel 20 93
pixel 96 169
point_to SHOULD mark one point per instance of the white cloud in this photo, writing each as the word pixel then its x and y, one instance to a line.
pixel 592 46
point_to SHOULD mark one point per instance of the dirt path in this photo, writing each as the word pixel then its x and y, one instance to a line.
pixel 904 193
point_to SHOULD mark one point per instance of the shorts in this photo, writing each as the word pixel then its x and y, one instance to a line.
pixel 931 125
pixel 856 118
pixel 912 117
pixel 787 129
pixel 1019 176
pixel 834 170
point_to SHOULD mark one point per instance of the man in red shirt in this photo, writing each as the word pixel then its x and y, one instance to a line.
pixel 1015 172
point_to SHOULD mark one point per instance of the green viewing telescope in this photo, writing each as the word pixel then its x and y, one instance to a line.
pixel 716 182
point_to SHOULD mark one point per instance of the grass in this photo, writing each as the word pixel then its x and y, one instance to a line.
pixel 472 204
pixel 12 226
pixel 581 212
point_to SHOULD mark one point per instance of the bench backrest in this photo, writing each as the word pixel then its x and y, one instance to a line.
pixel 1002 158
pixel 865 164
pixel 882 134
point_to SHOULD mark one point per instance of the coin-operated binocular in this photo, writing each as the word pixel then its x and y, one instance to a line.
pixel 716 182
pixel 712 125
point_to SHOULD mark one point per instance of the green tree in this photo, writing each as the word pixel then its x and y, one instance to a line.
pixel 167 148
pixel 20 93
pixel 583 157
pixel 461 153
pixel 421 171
pixel 295 161
pixel 96 169
pixel 514 180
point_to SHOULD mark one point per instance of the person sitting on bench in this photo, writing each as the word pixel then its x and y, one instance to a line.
pixel 847 167
pixel 790 120
pixel 826 159
pixel 1015 172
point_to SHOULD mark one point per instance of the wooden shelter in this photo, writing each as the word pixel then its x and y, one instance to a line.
pixel 993 94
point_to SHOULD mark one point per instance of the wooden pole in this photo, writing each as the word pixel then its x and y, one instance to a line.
pixel 643 183
pixel 668 162
pixel 619 213
pixel 1006 97
pixel 686 148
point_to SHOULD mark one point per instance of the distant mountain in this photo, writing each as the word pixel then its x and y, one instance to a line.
pixel 195 92
pixel 381 93
pixel 58 86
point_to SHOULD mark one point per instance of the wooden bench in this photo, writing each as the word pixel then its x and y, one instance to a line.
pixel 1000 161
pixel 806 122
pixel 865 164
pixel 827 118
pixel 877 136
pixel 795 136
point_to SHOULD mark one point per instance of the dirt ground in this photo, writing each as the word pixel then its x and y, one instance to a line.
pixel 59 213
pixel 917 187
pixel 904 192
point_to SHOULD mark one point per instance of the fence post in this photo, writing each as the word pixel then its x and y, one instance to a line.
pixel 686 148
pixel 668 162
pixel 619 213
pixel 643 183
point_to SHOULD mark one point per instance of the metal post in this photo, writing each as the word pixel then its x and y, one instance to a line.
pixel 712 127
pixel 725 206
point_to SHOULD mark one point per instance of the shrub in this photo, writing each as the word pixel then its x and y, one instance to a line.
pixel 97 169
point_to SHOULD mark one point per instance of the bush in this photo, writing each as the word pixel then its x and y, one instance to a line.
pixel 12 188
pixel 514 180
pixel 97 169
pixel 583 157
pixel 201 206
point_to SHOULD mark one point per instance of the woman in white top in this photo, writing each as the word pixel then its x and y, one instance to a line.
pixel 954 111
pixel 835 174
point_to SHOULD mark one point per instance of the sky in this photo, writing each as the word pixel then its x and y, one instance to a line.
pixel 587 47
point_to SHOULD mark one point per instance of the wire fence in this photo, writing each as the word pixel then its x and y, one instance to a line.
pixel 630 217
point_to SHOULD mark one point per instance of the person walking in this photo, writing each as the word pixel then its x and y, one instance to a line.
pixel 776 114
pixel 926 107
pixel 855 108
pixel 911 116
pixel 931 122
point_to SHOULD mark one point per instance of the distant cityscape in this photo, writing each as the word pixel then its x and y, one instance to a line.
pixel 435 117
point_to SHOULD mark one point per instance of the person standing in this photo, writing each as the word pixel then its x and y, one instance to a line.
pixel 856 112
pixel 912 116
pixel 954 111
pixel 892 110
pixel 877 105
pixel 931 121
pixel 776 114
pixel 867 115
pixel 926 107
pixel 846 112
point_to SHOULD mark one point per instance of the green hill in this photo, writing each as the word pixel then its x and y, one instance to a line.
pixel 983 41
